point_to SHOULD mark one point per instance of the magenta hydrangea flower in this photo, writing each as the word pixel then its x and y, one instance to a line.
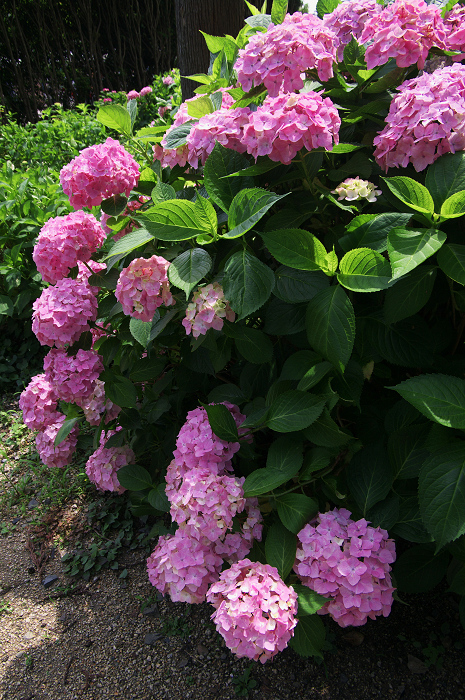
pixel 132 95
pixel 63 312
pixel 95 404
pixel 183 567
pixel 63 241
pixel 225 126
pixel 73 377
pixel 426 119
pixel 167 80
pixel 254 610
pixel 61 455
pixel 279 57
pixel 143 286
pixel 107 99
pixel 348 562
pixel 102 466
pixel 38 403
pixel 405 30
pixel 145 91
pixel 284 125
pixel 207 310
pixel 348 20
pixel 99 172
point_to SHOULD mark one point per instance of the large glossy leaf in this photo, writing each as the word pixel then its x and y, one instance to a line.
pixel 178 135
pixel 364 270
pixel 222 422
pixel 295 286
pixel 419 570
pixel 278 11
pixel 369 476
pixel 280 548
pixel 296 248
pixel 146 369
pixel 140 331
pixel 371 230
pixel 407 343
pixel 189 268
pixel 176 220
pixel 294 410
pixel 309 601
pixel 309 634
pixel 409 525
pixel 412 193
pixel 454 206
pixel 410 293
pixel 324 7
pixel 120 390
pixel 325 432
pixel 247 208
pixel 445 177
pixel 295 510
pixel 247 283
pixel 65 430
pixel 252 344
pixel 116 117
pixel 406 449
pixel 131 241
pixel 331 325
pixel 451 260
pixel 441 493
pixel 284 319
pixel 408 248
pixel 134 478
pixel 440 397
pixel 220 163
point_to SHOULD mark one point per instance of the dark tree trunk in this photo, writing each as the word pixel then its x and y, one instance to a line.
pixel 210 16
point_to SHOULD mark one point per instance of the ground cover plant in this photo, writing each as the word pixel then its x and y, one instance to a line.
pixel 268 340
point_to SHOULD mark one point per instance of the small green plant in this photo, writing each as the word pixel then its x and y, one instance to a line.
pixel 29 661
pixel 190 680
pixel 243 684
pixel 433 652
pixel 146 602
pixel 177 627
pixel 5 607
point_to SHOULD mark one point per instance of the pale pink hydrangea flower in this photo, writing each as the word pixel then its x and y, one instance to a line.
pixel 61 455
pixel 353 188
pixel 132 95
pixel 73 377
pixel 236 545
pixel 143 286
pixel 167 80
pixel 97 403
pixel 405 30
pixel 207 310
pixel 63 312
pixel 284 125
pixel 279 57
pixel 99 172
pixel 426 119
pixel 146 91
pixel 183 567
pixel 63 241
pixel 102 466
pixel 225 126
pixel 38 403
pixel 348 20
pixel 255 612
pixel 348 562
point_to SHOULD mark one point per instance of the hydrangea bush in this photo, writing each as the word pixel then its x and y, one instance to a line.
pixel 269 339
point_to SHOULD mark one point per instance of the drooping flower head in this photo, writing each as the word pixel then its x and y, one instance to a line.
pixel 348 20
pixel 102 466
pixel 426 119
pixel 279 57
pixel 63 312
pixel 99 172
pixel 38 403
pixel 285 124
pixel 143 286
pixel 254 610
pixel 353 188
pixel 73 377
pixel 405 30
pixel 207 310
pixel 63 241
pixel 348 562
pixel 59 456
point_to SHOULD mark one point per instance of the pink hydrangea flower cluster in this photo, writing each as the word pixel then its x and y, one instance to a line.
pixel 73 377
pixel 143 286
pixel 405 30
pixel 50 455
pixel 348 20
pixel 426 119
pixel 348 562
pixel 132 95
pixel 107 99
pixel 354 188
pixel 225 126
pixel 63 312
pixel 95 404
pixel 86 270
pixel 285 124
pixel 236 545
pixel 102 466
pixel 145 91
pixel 255 612
pixel 38 403
pixel 167 80
pixel 133 205
pixel 63 241
pixel 279 57
pixel 454 22
pixel 99 172
pixel 207 310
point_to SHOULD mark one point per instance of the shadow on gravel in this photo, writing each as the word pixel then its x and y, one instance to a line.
pixel 115 640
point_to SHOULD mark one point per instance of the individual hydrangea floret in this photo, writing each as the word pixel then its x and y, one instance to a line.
pixel 143 286
pixel 255 612
pixel 102 466
pixel 426 119
pixel 279 57
pixel 207 310
pixel 183 566
pixel 73 377
pixel 38 403
pixel 405 30
pixel 63 241
pixel 97 403
pixel 354 188
pixel 132 95
pixel 63 312
pixel 61 455
pixel 348 20
pixel 284 125
pixel 99 172
pixel 146 91
pixel 348 562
